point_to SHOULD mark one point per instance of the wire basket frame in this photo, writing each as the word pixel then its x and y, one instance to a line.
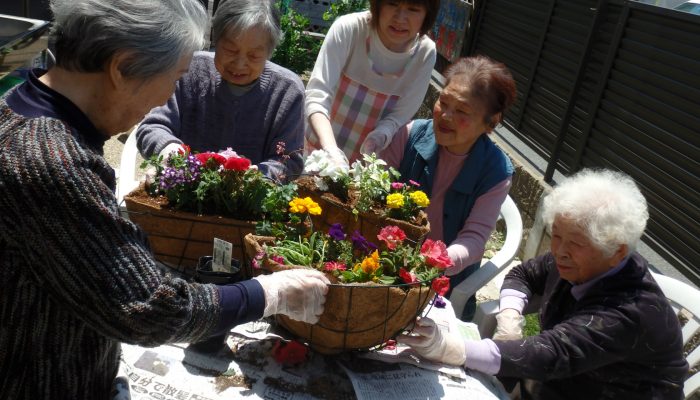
pixel 179 238
pixel 356 316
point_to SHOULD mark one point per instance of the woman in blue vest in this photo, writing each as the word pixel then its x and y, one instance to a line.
pixel 465 175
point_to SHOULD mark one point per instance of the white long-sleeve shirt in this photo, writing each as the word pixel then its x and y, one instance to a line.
pixel 344 51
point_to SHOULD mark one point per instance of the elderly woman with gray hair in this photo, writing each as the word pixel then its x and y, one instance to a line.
pixel 235 97
pixel 607 330
pixel 76 278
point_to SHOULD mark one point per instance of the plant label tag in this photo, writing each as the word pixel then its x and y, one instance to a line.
pixel 221 261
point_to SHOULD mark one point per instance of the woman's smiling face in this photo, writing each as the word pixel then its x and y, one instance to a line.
pixel 240 57
pixel 399 23
pixel 458 117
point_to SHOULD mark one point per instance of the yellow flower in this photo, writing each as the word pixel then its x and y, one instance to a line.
pixel 297 205
pixel 394 200
pixel 420 198
pixel 371 263
pixel 313 207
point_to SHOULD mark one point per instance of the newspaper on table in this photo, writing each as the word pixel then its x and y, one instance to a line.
pixel 173 372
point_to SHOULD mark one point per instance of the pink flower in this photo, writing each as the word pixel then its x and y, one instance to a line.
pixel 414 183
pixel 435 253
pixel 334 266
pixel 441 285
pixel 256 260
pixel 277 259
pixel 392 236
pixel 397 185
pixel 407 277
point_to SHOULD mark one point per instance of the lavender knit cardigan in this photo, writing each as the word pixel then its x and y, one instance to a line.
pixel 76 278
pixel 204 114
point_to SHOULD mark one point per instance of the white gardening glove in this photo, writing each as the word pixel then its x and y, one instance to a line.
pixel 297 293
pixel 509 325
pixel 434 344
pixel 171 148
pixel 375 142
pixel 338 158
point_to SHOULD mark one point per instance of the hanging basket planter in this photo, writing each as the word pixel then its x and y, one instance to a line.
pixel 356 316
pixel 367 223
pixel 179 238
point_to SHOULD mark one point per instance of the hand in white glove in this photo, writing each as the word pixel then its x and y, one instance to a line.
pixel 338 158
pixel 435 344
pixel 374 142
pixel 298 294
pixel 171 148
pixel 509 325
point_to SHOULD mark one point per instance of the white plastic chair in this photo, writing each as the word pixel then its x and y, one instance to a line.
pixel 490 268
pixel 685 297
pixel 128 179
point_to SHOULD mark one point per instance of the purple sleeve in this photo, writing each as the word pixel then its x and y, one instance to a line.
pixel 468 247
pixel 483 355
pixel 240 303
pixel 514 299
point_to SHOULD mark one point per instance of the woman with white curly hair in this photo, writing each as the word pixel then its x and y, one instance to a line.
pixel 607 330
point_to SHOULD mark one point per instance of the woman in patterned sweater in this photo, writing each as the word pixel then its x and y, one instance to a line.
pixel 76 278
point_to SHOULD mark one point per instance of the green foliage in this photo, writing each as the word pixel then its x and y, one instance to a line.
pixel 372 178
pixel 342 7
pixel 277 220
pixel 532 325
pixel 297 50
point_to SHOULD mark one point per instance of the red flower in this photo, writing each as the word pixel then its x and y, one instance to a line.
pixel 407 277
pixel 334 266
pixel 435 253
pixel 186 151
pixel 204 157
pixel 237 163
pixel 392 236
pixel 441 285
pixel 291 353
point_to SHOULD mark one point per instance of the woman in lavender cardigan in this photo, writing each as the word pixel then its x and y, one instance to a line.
pixel 235 97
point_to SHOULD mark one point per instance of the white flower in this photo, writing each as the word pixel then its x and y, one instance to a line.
pixel 316 162
pixel 228 153
pixel 320 183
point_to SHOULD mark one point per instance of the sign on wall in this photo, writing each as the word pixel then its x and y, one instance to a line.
pixel 450 27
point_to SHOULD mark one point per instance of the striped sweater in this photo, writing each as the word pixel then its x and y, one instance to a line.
pixel 76 278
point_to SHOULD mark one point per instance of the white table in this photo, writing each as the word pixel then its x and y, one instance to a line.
pixel 246 369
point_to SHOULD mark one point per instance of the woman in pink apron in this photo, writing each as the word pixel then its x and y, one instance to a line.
pixel 370 77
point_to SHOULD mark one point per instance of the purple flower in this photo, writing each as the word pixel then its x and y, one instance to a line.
pixel 336 232
pixel 362 244
pixel 439 302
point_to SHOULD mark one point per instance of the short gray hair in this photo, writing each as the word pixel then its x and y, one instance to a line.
pixel 155 33
pixel 607 204
pixel 237 16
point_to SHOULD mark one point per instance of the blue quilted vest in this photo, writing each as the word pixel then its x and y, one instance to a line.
pixel 486 166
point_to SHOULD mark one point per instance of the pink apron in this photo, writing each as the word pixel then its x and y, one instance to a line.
pixel 356 111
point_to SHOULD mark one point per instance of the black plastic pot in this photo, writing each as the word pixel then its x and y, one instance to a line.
pixel 204 274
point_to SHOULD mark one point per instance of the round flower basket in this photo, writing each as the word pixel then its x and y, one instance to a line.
pixel 356 316
pixel 368 224
pixel 179 238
